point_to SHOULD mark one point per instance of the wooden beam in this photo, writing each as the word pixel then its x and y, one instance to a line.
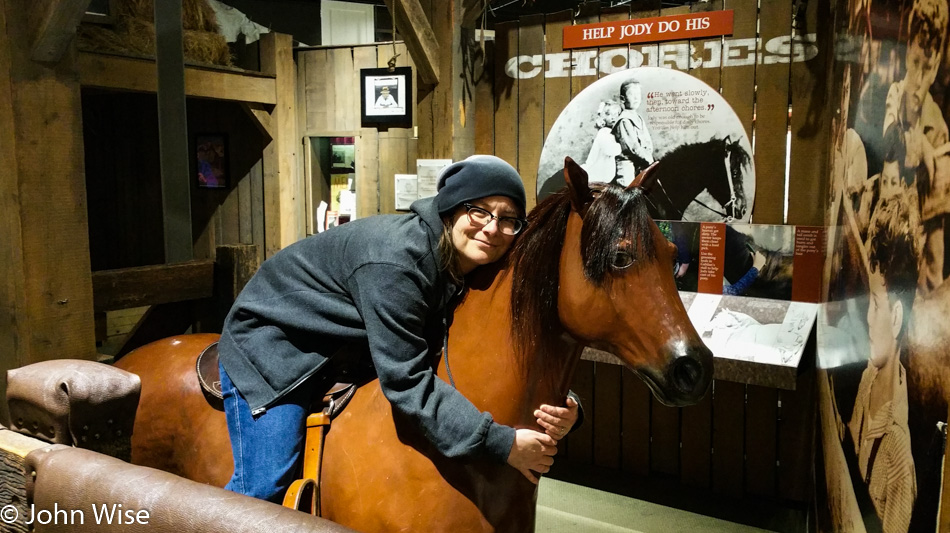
pixel 152 285
pixel 412 23
pixel 173 133
pixel 57 29
pixel 138 75
pixel 472 11
pixel 283 189
pixel 262 119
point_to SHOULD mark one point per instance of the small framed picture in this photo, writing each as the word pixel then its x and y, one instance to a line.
pixel 387 96
pixel 211 155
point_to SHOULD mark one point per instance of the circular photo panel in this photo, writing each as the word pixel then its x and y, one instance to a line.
pixel 624 122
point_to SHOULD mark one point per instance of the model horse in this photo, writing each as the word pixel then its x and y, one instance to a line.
pixel 590 269
pixel 715 166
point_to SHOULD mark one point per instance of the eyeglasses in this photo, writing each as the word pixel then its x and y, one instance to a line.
pixel 482 217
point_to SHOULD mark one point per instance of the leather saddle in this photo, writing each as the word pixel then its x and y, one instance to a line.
pixel 209 376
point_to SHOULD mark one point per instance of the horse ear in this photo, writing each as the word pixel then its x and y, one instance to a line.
pixel 645 179
pixel 576 178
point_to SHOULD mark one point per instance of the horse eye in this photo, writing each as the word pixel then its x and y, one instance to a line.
pixel 622 259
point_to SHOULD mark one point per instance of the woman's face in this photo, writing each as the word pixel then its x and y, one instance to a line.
pixel 485 244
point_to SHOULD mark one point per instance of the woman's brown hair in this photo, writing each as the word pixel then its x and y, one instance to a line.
pixel 449 254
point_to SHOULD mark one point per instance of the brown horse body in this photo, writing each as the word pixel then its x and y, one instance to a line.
pixel 379 473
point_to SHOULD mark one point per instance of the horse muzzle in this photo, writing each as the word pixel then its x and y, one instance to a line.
pixel 685 379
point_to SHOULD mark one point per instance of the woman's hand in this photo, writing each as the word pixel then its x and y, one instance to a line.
pixel 557 421
pixel 532 452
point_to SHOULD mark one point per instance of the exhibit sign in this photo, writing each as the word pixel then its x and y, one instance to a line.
pixel 653 29
pixel 622 123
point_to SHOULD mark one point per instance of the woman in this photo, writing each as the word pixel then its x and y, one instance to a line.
pixel 378 288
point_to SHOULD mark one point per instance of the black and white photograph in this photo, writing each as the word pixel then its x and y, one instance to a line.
pixel 624 122
pixel 387 96
pixel 758 330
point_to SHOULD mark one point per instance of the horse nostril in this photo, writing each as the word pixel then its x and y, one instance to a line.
pixel 685 374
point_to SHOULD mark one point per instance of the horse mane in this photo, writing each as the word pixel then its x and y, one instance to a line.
pixel 617 217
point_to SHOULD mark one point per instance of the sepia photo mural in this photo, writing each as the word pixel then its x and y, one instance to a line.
pixel 884 338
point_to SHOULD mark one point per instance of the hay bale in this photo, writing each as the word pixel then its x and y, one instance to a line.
pixel 196 15
pixel 137 37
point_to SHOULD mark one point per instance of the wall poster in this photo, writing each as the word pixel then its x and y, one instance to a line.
pixel 883 334
pixel 623 122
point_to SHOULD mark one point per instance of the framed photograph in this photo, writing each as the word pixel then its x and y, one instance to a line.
pixel 211 155
pixel 386 96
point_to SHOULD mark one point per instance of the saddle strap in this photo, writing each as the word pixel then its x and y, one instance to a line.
pixel 304 494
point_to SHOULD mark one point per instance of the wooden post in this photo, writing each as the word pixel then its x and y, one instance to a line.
pixel 46 294
pixel 446 114
pixel 285 221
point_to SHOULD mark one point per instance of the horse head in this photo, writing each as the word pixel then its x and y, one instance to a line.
pixel 617 291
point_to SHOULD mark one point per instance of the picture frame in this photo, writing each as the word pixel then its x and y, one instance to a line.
pixel 211 161
pixel 386 96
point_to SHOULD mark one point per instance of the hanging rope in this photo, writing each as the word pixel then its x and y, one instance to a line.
pixel 392 60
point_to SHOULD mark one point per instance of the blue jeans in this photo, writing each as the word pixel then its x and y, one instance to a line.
pixel 268 448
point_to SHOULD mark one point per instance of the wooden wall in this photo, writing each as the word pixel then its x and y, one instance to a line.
pixel 742 440
pixel 328 96
pixel 123 183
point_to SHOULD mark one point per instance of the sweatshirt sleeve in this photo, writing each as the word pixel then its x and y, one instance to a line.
pixel 392 303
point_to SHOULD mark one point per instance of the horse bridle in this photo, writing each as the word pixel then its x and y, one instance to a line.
pixel 731 205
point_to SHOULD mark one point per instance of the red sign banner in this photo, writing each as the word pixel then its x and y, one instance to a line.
pixel 655 29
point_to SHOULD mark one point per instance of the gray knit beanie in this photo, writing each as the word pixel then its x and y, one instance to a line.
pixel 476 177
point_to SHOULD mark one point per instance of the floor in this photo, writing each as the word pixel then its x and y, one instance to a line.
pixel 568 508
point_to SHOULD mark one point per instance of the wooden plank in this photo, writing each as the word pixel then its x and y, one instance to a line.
pixel 796 436
pixel 580 442
pixel 664 439
pixel 173 133
pixel 728 440
pixel 57 29
pixel 646 55
pixel 367 173
pixel 277 59
pixel 394 152
pixel 245 209
pixel 696 443
pixel 315 91
pixel 607 414
pixel 14 321
pixel 635 426
pixel 138 75
pixel 14 476
pixel 671 54
pixel 585 61
pixel 344 116
pixel 530 104
pixel 705 54
pixel 738 79
pixel 812 112
pixel 761 423
pixel 557 90
pixel 446 126
pixel 506 94
pixel 484 109
pixel 54 226
pixel 771 122
pixel 425 99
pixel 151 285
pixel 258 227
pixel 420 37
